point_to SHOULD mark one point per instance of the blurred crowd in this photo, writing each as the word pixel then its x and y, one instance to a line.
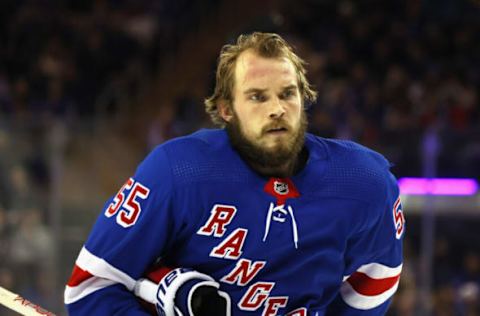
pixel 401 77
pixel 61 58
pixel 66 62
pixel 27 245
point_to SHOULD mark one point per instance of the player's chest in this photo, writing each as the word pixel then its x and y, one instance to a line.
pixel 264 220
pixel 254 241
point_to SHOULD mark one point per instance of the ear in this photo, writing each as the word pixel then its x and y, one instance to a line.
pixel 225 111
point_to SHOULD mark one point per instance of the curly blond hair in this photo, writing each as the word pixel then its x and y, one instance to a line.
pixel 269 45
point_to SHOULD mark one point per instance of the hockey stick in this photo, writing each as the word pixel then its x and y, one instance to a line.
pixel 21 305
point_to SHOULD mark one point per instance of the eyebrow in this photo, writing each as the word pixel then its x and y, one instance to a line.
pixel 289 87
pixel 257 90
pixel 254 90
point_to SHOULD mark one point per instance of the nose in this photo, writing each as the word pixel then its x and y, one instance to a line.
pixel 277 109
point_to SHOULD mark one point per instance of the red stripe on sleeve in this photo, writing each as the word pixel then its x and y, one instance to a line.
pixel 78 276
pixel 157 273
pixel 365 285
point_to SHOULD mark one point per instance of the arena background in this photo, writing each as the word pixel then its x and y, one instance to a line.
pixel 88 87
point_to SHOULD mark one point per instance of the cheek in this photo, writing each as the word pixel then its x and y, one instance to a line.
pixel 250 118
pixel 244 121
pixel 296 111
pixel 251 126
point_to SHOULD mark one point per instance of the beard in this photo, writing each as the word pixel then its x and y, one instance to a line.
pixel 277 161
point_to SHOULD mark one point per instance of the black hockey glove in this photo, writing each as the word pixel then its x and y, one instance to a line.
pixel 183 292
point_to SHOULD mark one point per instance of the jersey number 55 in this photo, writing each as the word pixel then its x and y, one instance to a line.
pixel 126 207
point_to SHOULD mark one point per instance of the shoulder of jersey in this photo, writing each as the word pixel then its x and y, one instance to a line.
pixel 202 141
pixel 205 155
pixel 354 170
pixel 351 153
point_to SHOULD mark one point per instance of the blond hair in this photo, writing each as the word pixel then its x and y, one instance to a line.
pixel 269 45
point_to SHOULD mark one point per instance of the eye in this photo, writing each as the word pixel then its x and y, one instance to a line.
pixel 287 94
pixel 257 97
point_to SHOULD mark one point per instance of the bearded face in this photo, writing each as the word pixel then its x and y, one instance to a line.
pixel 266 121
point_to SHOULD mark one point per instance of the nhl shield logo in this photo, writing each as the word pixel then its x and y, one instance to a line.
pixel 280 187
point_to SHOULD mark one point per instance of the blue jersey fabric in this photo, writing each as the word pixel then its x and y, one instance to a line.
pixel 341 221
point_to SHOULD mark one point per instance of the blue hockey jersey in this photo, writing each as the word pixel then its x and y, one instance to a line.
pixel 327 241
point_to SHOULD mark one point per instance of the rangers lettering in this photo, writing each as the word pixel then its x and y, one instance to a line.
pixel 220 216
pixel 255 296
pixel 243 272
pixel 273 304
pixel 231 247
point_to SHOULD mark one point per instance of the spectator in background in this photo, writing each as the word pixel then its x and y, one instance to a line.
pixel 22 193
pixel 31 250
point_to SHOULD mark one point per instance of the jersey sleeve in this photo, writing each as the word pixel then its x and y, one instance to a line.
pixel 133 230
pixel 373 259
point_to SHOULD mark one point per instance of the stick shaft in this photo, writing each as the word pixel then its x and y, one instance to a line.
pixel 21 305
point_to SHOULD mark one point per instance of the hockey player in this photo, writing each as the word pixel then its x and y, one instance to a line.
pixel 255 218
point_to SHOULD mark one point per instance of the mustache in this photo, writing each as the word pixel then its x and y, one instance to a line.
pixel 276 125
